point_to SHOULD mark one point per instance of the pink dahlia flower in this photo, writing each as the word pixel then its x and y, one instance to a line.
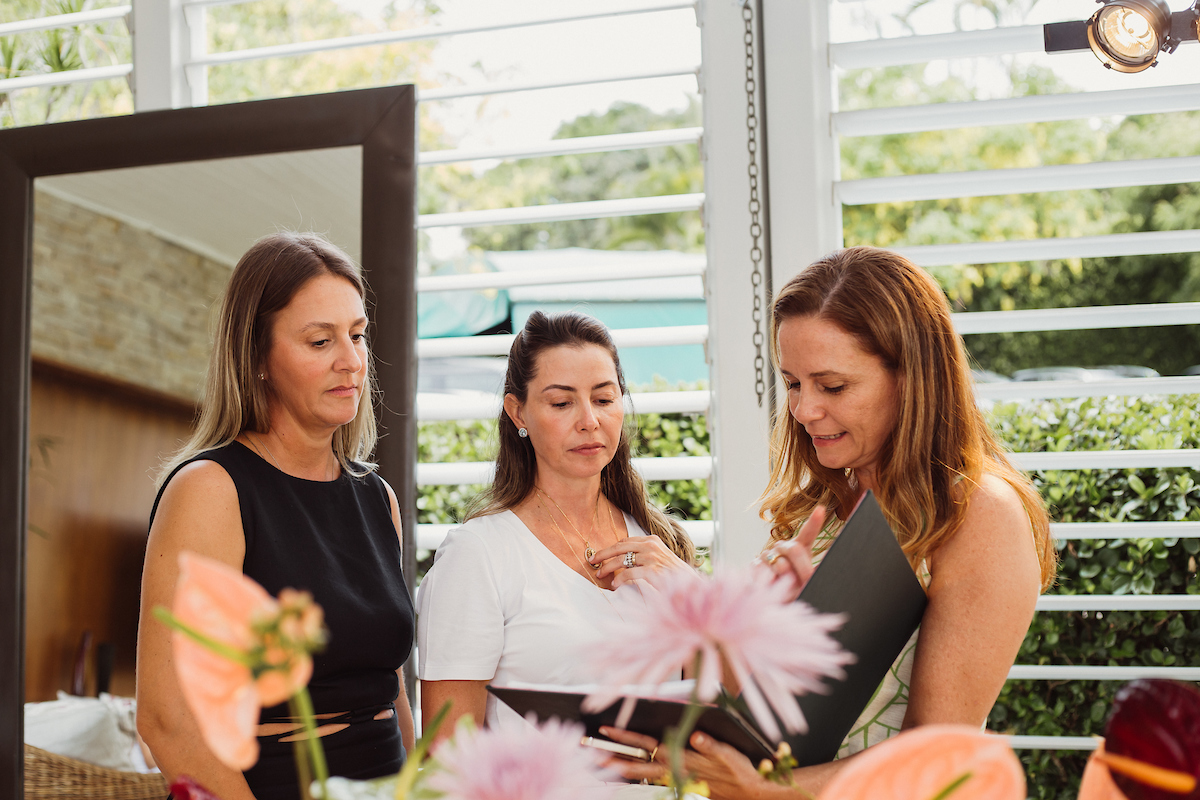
pixel 774 648
pixel 533 762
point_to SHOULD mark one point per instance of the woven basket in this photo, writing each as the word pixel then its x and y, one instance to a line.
pixel 49 776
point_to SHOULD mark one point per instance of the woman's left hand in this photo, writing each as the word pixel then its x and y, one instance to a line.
pixel 728 773
pixel 649 556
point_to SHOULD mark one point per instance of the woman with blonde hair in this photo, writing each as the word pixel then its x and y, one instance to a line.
pixel 276 482
pixel 880 397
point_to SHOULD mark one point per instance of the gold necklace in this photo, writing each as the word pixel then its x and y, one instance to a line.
pixel 588 550
pixel 563 536
pixel 262 446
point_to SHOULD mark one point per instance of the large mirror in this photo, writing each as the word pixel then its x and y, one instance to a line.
pixel 118 237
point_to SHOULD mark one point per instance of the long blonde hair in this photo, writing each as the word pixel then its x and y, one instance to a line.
pixel 941 445
pixel 516 462
pixel 264 281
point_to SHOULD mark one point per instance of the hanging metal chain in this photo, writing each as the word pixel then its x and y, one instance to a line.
pixel 756 230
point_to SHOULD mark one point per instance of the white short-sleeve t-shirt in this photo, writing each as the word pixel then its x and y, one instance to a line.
pixel 497 605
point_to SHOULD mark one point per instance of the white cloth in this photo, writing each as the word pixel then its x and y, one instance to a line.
pixel 497 605
pixel 98 730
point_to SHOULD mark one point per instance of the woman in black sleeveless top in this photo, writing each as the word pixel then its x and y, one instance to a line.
pixel 274 482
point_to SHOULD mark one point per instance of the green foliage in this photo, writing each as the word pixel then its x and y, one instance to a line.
pixel 1048 284
pixel 584 177
pixel 62 50
pixel 1116 566
pixel 272 22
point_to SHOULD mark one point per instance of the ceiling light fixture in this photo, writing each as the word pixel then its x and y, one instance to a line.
pixel 1126 35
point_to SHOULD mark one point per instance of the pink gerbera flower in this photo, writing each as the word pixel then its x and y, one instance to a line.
pixel 775 649
pixel 533 762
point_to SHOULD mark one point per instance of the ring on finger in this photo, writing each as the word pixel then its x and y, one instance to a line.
pixel 630 559
pixel 771 558
pixel 654 752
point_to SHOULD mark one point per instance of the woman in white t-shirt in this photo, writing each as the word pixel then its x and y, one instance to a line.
pixel 516 593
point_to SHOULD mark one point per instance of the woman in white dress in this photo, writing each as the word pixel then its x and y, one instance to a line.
pixel 516 593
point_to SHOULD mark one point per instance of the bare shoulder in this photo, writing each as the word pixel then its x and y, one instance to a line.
pixel 199 511
pixel 395 509
pixel 996 536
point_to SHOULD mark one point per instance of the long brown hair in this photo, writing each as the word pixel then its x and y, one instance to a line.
pixel 516 462
pixel 264 281
pixel 941 444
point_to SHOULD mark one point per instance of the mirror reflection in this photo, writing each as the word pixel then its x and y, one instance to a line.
pixel 127 265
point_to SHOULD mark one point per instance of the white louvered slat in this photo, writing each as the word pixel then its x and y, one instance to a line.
pixel 542 277
pixel 559 147
pixel 1108 459
pixel 933 47
pixel 65 78
pixel 983 183
pixel 428 32
pixel 662 468
pixel 1074 319
pixel 1122 387
pixel 1054 672
pixel 1117 244
pixel 1052 742
pixel 1017 110
pixel 561 212
pixel 1119 602
pixel 91 17
pixel 450 407
pixel 1125 530
pixel 483 90
pixel 500 344
pixel 430 535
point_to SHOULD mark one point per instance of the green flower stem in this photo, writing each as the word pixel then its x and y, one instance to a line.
pixel 408 774
pixel 302 707
pixel 303 773
pixel 220 648
pixel 677 737
pixel 953 787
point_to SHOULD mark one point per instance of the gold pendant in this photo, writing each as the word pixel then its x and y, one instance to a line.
pixel 590 554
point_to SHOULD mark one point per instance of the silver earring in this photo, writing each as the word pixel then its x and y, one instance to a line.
pixel 523 433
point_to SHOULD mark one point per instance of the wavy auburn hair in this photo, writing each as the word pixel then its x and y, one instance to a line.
pixel 516 462
pixel 941 445
pixel 264 281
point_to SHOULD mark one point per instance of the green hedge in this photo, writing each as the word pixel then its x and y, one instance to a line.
pixel 657 435
pixel 1117 566
pixel 1142 566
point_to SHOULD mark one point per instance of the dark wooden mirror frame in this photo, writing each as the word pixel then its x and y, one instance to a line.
pixel 381 121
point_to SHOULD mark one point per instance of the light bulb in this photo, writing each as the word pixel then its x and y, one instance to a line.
pixel 1126 35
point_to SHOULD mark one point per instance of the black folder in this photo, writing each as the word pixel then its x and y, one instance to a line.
pixel 650 717
pixel 864 575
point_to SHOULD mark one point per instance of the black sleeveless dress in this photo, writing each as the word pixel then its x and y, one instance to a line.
pixel 335 539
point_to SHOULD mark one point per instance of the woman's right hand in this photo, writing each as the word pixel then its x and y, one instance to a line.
pixel 790 562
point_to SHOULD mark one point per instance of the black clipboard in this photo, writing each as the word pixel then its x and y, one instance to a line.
pixel 864 575
pixel 650 717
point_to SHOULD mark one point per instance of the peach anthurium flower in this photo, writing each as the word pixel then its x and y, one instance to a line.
pixel 234 652
pixel 932 762
pixel 1098 783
